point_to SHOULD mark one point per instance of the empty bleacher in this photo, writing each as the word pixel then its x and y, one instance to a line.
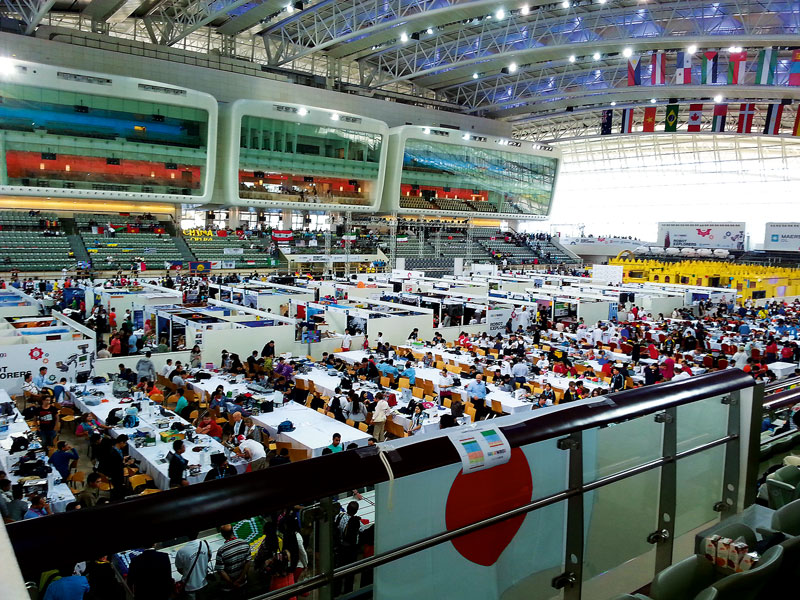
pixel 150 244
pixel 25 246
pixel 254 257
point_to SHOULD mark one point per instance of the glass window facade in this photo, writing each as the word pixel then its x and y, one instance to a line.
pixel 59 139
pixel 288 161
pixel 442 176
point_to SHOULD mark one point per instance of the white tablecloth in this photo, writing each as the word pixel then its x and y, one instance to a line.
pixel 58 494
pixel 151 458
pixel 313 430
pixel 782 369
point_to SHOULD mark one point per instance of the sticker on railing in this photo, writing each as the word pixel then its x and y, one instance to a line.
pixel 481 447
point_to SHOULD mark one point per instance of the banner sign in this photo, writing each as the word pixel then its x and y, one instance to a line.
pixel 330 258
pixel 782 236
pixel 239 251
pixel 62 359
pixel 204 235
pixel 607 273
pixel 702 235
pixel 496 320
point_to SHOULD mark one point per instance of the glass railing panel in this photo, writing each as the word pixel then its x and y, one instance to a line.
pixel 699 486
pixel 701 422
pixel 622 446
pixel 617 520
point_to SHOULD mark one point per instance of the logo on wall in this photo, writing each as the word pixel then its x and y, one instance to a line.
pixel 706 232
pixel 36 353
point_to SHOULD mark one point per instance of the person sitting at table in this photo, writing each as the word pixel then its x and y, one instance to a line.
pixel 236 367
pixel 337 405
pixel 220 469
pixel 387 369
pixel 583 392
pixel 368 370
pixel 506 384
pixel 473 371
pixel 596 392
pixel 409 372
pixel 651 374
pixel 177 465
pixel 62 458
pixel 339 365
pixel 336 443
pixel 355 409
pixel 151 389
pixel 182 401
pixel 559 368
pixel 417 420
pixel 548 393
pixel 254 362
pixel 617 380
pixel 571 394
pixel 209 426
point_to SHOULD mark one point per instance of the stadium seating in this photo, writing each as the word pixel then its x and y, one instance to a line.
pixel 24 246
pixel 214 250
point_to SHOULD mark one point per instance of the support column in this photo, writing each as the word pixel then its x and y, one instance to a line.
pixel 287 218
pixel 233 217
pixel 3 165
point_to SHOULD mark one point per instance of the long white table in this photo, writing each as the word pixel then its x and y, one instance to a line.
pixel 312 430
pixel 58 494
pixel 153 459
pixel 782 369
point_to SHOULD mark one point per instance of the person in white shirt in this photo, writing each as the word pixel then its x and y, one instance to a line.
pixel 379 339
pixel 167 369
pixel 680 373
pixel 597 335
pixel 739 358
pixel 379 415
pixel 254 452
pixel 191 561
pixel 347 341
pixel 525 318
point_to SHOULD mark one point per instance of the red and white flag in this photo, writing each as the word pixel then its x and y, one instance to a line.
pixel 746 114
pixel 658 74
pixel 695 117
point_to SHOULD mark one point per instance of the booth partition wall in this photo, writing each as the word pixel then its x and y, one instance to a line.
pixel 595 499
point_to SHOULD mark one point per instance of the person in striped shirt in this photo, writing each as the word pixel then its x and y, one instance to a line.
pixel 233 561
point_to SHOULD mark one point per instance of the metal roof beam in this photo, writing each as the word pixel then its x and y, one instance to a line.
pixel 173 20
pixel 29 12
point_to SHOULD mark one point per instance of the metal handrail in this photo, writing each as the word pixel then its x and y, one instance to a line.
pixel 173 513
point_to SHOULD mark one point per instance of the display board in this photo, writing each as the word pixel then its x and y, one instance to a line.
pixel 607 273
pixel 782 236
pixel 496 320
pixel 730 236
pixel 62 359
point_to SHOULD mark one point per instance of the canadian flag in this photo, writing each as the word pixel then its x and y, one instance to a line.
pixel 695 117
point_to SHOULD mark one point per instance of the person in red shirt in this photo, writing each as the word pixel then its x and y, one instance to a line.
pixel 787 352
pixel 115 346
pixel 771 351
pixel 652 351
pixel 559 368
pixel 210 427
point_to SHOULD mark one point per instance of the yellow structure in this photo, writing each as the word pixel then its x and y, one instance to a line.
pixel 761 280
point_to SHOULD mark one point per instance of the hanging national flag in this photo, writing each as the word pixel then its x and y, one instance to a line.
pixel 200 266
pixel 606 121
pixel 282 235
pixel 683 69
pixel 142 266
pixel 695 117
pixel 216 264
pixel 159 230
pixel 228 264
pixel 350 237
pixel 772 125
pixel 627 120
pixel 765 71
pixel 746 114
pixel 794 69
pixel 649 124
pixel 402 238
pixel 173 265
pixel 658 75
pixel 796 129
pixel 720 113
pixel 736 67
pixel 132 229
pixel 671 120
pixel 635 70
pixel 709 71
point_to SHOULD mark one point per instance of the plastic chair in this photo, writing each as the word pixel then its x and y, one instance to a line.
pixel 748 584
pixel 783 486
pixel 683 580
pixel 787 519
pixel 790 565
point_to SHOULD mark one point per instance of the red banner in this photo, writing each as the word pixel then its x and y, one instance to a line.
pixel 282 235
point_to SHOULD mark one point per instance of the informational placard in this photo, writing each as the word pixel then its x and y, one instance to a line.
pixel 481 447
pixel 62 359
pixel 730 236
pixel 607 273
pixel 782 236
pixel 496 320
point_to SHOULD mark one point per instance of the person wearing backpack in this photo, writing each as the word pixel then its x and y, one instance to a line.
pixel 191 561
pixel 348 531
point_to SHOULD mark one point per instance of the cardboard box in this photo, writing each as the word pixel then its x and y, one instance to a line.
pixel 748 561
pixel 170 436
pixel 710 547
pixel 736 553
pixel 723 549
